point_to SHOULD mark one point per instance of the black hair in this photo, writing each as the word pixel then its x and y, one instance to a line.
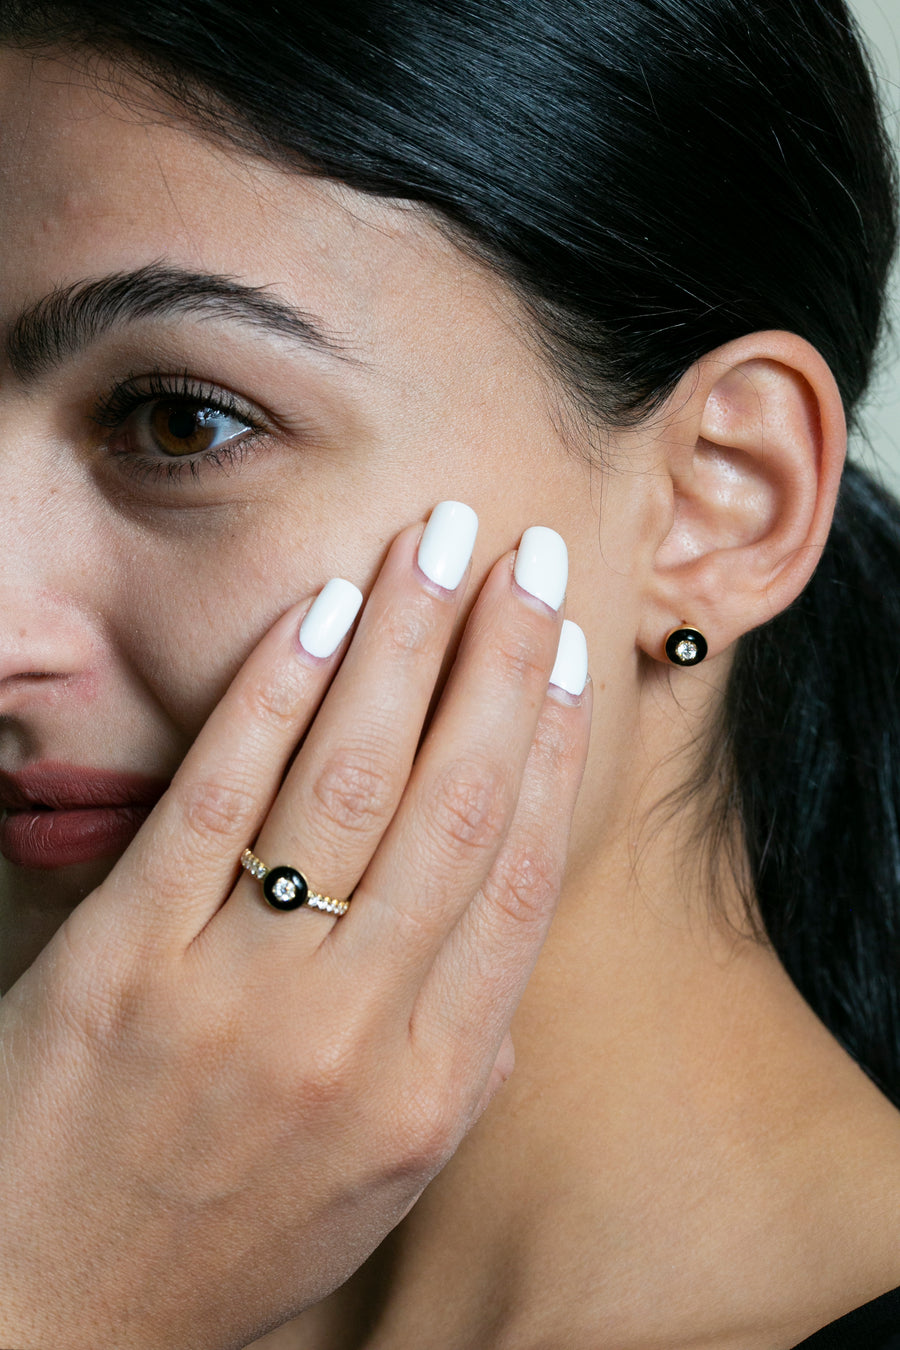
pixel 654 178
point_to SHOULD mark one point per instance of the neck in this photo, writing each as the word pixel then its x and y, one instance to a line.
pixel 683 1155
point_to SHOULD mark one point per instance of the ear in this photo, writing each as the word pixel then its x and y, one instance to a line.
pixel 754 441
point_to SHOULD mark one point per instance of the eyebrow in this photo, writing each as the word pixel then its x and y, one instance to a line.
pixel 71 318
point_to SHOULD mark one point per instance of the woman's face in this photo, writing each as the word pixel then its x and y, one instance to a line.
pixel 146 544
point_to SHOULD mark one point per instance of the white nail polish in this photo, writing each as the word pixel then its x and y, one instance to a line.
pixel 542 565
pixel 570 670
pixel 446 546
pixel 329 620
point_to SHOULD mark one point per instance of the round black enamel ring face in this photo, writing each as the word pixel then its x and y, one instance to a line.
pixel 686 647
pixel 285 888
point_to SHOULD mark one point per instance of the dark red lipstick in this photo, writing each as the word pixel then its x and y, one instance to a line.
pixel 59 814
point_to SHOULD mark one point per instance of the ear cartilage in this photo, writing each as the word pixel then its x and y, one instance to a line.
pixel 686 647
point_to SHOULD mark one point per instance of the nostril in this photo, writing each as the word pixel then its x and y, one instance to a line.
pixel 44 641
pixel 18 679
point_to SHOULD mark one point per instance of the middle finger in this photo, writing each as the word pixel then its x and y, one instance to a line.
pixel 345 783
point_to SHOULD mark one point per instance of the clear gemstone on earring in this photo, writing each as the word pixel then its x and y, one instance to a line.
pixel 686 650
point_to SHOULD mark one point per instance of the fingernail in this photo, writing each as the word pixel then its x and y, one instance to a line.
pixel 542 565
pixel 446 546
pixel 570 670
pixel 329 620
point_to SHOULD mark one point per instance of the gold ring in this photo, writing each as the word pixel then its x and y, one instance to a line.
pixel 286 888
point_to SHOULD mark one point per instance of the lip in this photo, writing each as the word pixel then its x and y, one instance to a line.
pixel 60 814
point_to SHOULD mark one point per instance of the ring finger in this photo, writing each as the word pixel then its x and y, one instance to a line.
pixel 345 784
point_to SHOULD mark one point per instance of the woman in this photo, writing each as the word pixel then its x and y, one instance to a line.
pixel 283 277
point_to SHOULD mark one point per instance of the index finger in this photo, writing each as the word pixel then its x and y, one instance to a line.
pixel 185 860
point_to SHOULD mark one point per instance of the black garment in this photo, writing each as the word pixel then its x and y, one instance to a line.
pixel 874 1326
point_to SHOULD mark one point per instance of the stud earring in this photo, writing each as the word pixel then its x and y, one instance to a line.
pixel 686 647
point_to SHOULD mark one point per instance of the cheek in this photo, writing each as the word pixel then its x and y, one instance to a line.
pixel 200 586
pixel 192 602
pixel 188 614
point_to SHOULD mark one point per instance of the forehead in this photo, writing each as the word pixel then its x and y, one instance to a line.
pixel 93 180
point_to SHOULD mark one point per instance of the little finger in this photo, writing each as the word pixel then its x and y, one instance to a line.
pixel 471 992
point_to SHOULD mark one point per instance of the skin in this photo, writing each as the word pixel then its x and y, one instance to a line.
pixel 679 1124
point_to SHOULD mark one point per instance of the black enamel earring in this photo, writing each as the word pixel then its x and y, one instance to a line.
pixel 686 647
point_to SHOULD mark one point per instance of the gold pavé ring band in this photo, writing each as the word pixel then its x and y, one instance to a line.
pixel 286 888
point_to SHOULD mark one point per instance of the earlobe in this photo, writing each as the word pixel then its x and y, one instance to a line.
pixel 753 488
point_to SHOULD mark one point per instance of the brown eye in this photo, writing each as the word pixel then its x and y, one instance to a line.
pixel 179 427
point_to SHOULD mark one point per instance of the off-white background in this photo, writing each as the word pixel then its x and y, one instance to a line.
pixel 878 447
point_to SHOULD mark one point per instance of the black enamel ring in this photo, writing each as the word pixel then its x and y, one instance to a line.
pixel 286 888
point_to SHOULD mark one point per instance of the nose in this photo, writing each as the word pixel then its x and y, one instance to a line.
pixel 37 646
pixel 47 665
pixel 47 638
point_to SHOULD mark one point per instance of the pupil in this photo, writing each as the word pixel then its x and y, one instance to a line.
pixel 182 424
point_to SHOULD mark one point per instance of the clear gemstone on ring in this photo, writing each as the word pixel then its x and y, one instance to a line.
pixel 284 889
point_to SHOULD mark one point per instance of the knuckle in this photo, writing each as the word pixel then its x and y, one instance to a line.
pixel 555 747
pixel 428 1137
pixel 471 805
pixel 92 1011
pixel 520 658
pixel 332 1060
pixel 525 882
pixel 215 810
pixel 100 1003
pixel 329 1072
pixel 354 790
pixel 408 631
pixel 272 701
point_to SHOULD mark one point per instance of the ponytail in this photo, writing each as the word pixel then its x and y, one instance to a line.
pixel 813 713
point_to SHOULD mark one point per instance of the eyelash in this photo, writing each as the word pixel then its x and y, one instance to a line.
pixel 113 410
